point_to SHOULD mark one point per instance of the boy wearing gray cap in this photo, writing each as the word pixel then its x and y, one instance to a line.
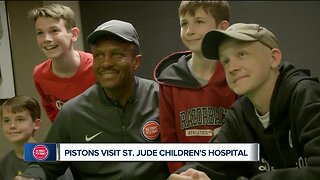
pixel 119 108
pixel 279 108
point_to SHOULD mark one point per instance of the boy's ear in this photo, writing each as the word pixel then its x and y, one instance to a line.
pixel 37 124
pixel 223 25
pixel 75 33
pixel 276 57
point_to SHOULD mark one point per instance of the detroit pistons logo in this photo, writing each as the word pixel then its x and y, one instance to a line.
pixel 40 152
pixel 151 130
pixel 59 104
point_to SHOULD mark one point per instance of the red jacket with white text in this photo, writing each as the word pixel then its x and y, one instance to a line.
pixel 190 112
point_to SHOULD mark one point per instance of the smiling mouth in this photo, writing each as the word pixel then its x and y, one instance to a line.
pixel 13 133
pixel 50 47
pixel 192 40
pixel 108 72
pixel 239 78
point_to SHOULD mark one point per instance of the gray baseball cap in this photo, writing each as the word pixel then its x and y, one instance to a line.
pixel 119 28
pixel 239 31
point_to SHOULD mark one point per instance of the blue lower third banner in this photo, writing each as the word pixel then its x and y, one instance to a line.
pixel 40 152
pixel 159 152
pixel 143 152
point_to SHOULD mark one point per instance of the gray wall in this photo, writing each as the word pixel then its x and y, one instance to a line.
pixel 157 24
pixel 295 23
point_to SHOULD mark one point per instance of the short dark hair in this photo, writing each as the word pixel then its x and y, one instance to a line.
pixel 219 10
pixel 22 103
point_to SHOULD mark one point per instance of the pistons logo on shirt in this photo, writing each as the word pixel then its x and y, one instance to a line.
pixel 59 104
pixel 151 130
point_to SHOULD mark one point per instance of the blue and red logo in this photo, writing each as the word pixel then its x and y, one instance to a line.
pixel 151 130
pixel 40 152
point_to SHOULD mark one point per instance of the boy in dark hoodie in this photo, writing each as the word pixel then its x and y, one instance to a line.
pixel 194 95
pixel 280 109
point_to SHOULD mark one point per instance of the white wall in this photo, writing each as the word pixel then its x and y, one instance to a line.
pixel 6 74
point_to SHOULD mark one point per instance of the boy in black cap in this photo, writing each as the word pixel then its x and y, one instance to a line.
pixel 119 108
pixel 279 108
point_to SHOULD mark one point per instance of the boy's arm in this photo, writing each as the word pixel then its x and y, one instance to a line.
pixel 189 174
pixel 305 110
pixel 39 171
pixel 50 111
pixel 167 122
pixel 33 171
pixel 229 132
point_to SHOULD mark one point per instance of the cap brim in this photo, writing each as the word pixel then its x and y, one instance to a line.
pixel 210 44
pixel 212 40
pixel 94 36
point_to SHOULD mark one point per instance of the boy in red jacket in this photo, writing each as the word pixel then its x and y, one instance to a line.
pixel 194 95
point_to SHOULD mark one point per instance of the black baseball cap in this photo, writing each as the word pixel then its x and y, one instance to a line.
pixel 119 28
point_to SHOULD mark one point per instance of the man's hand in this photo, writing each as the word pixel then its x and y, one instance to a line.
pixel 190 174
pixel 21 178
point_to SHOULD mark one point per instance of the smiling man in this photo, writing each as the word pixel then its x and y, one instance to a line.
pixel 119 108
